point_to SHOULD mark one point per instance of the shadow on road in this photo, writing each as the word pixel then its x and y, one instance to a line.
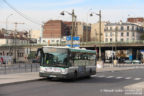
pixel 86 80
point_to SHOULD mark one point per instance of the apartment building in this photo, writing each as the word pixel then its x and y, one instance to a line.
pixel 95 33
pixel 122 32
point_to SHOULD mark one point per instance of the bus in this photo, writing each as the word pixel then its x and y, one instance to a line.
pixel 66 63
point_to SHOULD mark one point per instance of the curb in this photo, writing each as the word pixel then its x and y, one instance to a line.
pixel 18 82
pixel 111 70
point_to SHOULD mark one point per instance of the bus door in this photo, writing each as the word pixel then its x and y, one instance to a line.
pixel 82 64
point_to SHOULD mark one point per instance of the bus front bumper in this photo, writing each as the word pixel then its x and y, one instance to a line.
pixel 54 75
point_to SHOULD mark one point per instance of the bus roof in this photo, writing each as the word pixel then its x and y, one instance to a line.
pixel 81 50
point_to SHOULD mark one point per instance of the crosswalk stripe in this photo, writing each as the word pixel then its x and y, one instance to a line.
pixel 128 78
pixel 119 77
pixel 110 77
pixel 101 76
pixel 93 76
pixel 137 78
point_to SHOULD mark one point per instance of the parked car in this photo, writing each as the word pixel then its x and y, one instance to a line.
pixel 108 61
pixel 128 62
pixel 136 62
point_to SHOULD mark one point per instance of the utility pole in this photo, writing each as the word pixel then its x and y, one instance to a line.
pixel 30 40
pixel 100 35
pixel 116 40
pixel 15 39
pixel 73 23
pixel 72 33
pixel 99 14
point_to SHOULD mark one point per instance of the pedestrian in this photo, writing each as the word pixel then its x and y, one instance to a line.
pixel 1 60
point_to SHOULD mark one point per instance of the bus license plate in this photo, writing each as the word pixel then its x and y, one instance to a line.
pixel 52 75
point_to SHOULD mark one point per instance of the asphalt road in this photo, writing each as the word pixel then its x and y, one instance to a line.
pixel 102 84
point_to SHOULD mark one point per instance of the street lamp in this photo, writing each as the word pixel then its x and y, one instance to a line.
pixel 99 14
pixel 73 19
pixel 7 21
pixel 7 26
pixel 15 41
pixel 116 30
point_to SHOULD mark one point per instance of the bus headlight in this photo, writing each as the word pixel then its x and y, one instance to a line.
pixel 42 69
pixel 64 71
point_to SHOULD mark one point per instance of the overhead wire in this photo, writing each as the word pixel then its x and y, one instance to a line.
pixel 20 13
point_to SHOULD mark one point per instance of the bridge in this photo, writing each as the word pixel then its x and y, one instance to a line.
pixel 134 46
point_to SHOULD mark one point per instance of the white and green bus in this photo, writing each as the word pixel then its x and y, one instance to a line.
pixel 66 63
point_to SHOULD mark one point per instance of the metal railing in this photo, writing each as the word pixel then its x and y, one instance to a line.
pixel 81 43
pixel 19 68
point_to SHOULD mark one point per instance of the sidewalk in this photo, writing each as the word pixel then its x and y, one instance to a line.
pixel 18 78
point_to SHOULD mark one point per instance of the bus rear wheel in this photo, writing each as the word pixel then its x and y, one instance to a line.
pixel 89 74
pixel 75 76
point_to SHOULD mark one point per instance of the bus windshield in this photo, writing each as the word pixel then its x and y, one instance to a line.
pixel 55 58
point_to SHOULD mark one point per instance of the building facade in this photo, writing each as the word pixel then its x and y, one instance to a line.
pixel 95 34
pixel 55 30
pixel 12 46
pixel 122 32
pixel 35 35
pixel 84 31
pixel 135 20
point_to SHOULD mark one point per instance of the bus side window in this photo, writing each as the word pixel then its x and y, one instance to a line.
pixel 92 58
pixel 71 58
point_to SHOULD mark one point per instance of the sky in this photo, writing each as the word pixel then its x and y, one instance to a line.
pixel 40 11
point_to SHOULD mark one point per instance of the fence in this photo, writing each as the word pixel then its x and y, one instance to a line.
pixel 19 68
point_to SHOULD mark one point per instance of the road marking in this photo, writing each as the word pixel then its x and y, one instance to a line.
pixel 93 76
pixel 101 76
pixel 110 77
pixel 128 78
pixel 119 77
pixel 137 78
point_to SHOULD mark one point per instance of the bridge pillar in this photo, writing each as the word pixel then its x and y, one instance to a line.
pixel 103 55
pixel 134 53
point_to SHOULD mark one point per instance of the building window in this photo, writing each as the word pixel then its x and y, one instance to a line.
pixel 127 27
pixel 127 33
pixel 122 40
pixel 116 28
pixel 132 28
pixel 127 39
pixel 122 28
pixel 13 41
pixel 106 34
pixel 137 28
pixel 57 41
pixel 133 34
pixel 111 34
pixel 111 28
pixel 122 34
pixel 52 40
pixel 106 28
pixel 44 41
pixel 7 41
pixel 106 39
pixel 110 39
